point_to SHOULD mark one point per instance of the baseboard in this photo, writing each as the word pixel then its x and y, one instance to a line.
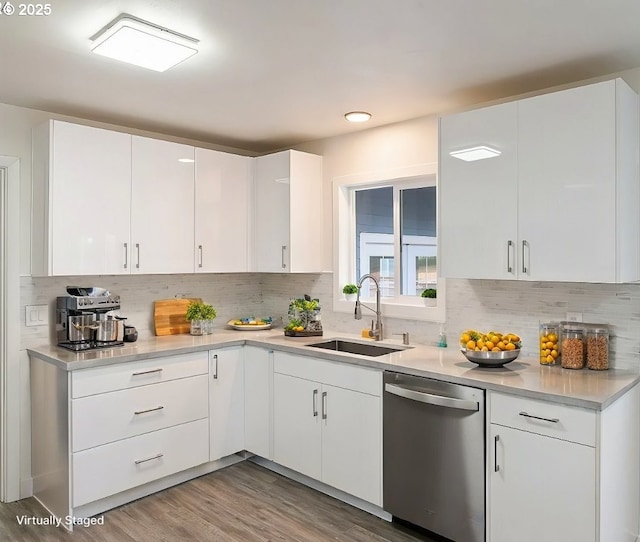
pixel 323 488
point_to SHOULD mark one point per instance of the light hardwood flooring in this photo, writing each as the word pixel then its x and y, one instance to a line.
pixel 242 503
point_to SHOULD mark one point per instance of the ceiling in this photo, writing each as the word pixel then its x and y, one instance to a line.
pixel 274 73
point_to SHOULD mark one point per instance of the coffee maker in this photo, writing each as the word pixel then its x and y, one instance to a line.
pixel 85 322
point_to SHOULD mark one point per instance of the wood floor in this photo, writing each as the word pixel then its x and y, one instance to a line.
pixel 242 503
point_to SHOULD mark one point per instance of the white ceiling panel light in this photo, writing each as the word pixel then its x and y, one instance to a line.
pixel 357 116
pixel 138 42
pixel 475 153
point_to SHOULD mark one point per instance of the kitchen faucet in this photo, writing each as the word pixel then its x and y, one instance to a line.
pixel 376 332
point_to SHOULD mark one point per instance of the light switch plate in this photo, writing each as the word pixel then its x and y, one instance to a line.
pixel 36 315
pixel 574 317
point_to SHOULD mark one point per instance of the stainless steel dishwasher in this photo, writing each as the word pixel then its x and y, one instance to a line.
pixel 434 455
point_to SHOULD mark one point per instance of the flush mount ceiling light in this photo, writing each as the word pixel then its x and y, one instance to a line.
pixel 138 42
pixel 186 160
pixel 475 153
pixel 357 116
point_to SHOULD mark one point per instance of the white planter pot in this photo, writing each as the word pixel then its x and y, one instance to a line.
pixel 429 301
pixel 350 297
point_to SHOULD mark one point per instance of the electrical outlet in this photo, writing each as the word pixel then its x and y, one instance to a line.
pixel 574 317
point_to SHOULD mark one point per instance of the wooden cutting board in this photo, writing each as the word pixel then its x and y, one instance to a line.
pixel 169 316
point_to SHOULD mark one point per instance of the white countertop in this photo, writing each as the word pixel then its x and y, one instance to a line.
pixel 524 376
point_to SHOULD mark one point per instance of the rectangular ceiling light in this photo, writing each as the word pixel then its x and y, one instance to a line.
pixel 475 153
pixel 144 44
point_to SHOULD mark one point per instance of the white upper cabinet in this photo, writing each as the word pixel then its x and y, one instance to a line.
pixel 81 194
pixel 162 206
pixel 222 204
pixel 288 213
pixel 566 179
pixel 479 200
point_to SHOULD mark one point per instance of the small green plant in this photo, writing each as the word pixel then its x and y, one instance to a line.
pixel 200 311
pixel 350 289
pixel 429 292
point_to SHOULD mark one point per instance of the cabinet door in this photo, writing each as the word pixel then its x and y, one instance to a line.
pixel 272 248
pixel 226 402
pixel 478 208
pixel 222 206
pixel 90 173
pixel 545 488
pixel 305 231
pixel 352 442
pixel 162 200
pixel 296 425
pixel 567 183
pixel 258 390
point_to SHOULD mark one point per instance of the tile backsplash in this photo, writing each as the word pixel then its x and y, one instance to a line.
pixel 483 304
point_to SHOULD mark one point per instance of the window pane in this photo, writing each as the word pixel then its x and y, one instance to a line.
pixel 374 238
pixel 418 242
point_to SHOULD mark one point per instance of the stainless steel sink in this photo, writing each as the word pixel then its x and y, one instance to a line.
pixel 352 347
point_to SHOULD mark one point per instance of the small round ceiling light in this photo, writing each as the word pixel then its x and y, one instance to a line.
pixel 357 116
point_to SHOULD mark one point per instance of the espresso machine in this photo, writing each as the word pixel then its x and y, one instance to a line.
pixel 87 322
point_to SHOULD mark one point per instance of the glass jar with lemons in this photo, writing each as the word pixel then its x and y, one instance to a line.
pixel 549 343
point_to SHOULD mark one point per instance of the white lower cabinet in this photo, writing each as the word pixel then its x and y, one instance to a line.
pixel 226 402
pixel 555 472
pixel 327 423
pixel 543 490
pixel 106 470
pixel 258 406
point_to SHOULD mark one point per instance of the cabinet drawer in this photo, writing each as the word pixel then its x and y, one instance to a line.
pixel 339 374
pixel 106 417
pixel 137 373
pixel 112 468
pixel 560 421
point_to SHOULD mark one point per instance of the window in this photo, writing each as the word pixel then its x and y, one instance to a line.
pixel 388 228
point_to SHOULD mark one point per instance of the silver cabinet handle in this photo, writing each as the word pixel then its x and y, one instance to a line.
pixel 199 255
pixel 138 461
pixel 551 420
pixel 430 398
pixel 138 253
pixel 324 405
pixel 315 405
pixel 126 255
pixel 215 371
pixel 138 412
pixel 284 265
pixel 525 245
pixel 147 372
pixel 496 467
pixel 509 250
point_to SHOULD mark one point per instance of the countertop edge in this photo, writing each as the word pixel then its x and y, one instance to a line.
pixel 150 349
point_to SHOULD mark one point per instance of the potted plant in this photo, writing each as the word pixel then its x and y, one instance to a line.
pixel 350 292
pixel 201 316
pixel 429 297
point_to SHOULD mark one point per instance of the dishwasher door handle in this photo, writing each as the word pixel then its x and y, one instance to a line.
pixel 430 398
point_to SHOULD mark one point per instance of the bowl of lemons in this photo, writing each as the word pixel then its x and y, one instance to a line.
pixel 492 349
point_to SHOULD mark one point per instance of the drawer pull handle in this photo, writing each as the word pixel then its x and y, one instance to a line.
pixel 148 410
pixel 324 405
pixel 552 420
pixel 138 461
pixel 496 467
pixel 147 372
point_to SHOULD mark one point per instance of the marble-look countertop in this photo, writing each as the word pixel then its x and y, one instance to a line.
pixel 524 376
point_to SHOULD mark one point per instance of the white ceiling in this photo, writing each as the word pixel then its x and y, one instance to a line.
pixel 273 73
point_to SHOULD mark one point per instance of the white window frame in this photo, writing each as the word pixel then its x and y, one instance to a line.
pixel 405 307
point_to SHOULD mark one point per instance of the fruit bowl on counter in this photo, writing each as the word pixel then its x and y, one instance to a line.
pixel 251 323
pixel 492 349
